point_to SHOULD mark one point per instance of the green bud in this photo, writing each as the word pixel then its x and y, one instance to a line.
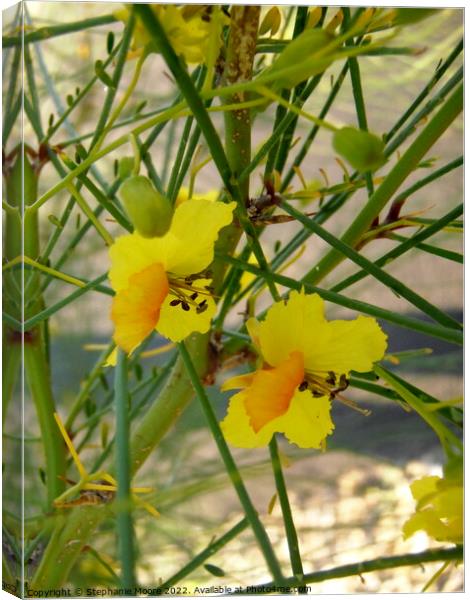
pixel 297 57
pixel 214 570
pixel 149 211
pixel 125 167
pixel 364 151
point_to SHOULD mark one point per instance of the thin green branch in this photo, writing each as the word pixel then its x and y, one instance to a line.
pixel 445 435
pixel 124 524
pixel 45 33
pixel 201 558
pixel 426 90
pixel 232 469
pixel 445 333
pixel 404 247
pixel 355 73
pixel 289 526
pixel 430 249
pixel 77 100
pixel 388 280
pixel 368 566
pixel 191 95
pixel 405 165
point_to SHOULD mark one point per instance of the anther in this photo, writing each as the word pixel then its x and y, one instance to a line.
pixel 202 306
pixel 194 296
pixel 303 386
pixel 184 305
pixel 331 379
pixel 175 302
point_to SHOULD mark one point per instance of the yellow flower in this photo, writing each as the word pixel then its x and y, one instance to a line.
pixel 439 509
pixel 306 362
pixel 187 28
pixel 160 282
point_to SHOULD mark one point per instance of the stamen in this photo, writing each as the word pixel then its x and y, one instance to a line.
pixel 320 385
pixel 348 402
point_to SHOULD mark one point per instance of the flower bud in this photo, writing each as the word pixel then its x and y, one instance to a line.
pixel 364 151
pixel 297 56
pixel 125 167
pixel 149 211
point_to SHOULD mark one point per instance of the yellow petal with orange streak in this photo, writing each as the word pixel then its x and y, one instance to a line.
pixel 135 310
pixel 271 391
pixel 306 423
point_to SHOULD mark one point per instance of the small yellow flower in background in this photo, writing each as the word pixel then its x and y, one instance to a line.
pixel 183 196
pixel 188 28
pixel 439 508
pixel 160 282
pixel 306 362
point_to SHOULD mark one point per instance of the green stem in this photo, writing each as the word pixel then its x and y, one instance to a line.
pixel 124 524
pixel 70 534
pixel 444 333
pixel 78 98
pixel 444 434
pixel 426 90
pixel 39 383
pixel 368 566
pixel 83 204
pixel 11 363
pixel 231 467
pixel 391 282
pixel 169 404
pixel 407 244
pixel 406 164
pixel 120 107
pixel 355 74
pixel 212 549
pixel 190 94
pixel 45 33
pixel 291 533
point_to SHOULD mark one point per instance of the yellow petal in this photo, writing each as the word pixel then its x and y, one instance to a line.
pixel 271 391
pixel 131 254
pixel 176 324
pixel 343 346
pixel 289 326
pixel 420 488
pixel 135 310
pixel 193 233
pixel 237 429
pixel 339 346
pixel 253 327
pixel 306 423
pixel 183 196
pixel 238 382
pixel 425 520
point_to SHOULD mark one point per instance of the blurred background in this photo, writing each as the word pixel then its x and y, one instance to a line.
pixel 350 502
